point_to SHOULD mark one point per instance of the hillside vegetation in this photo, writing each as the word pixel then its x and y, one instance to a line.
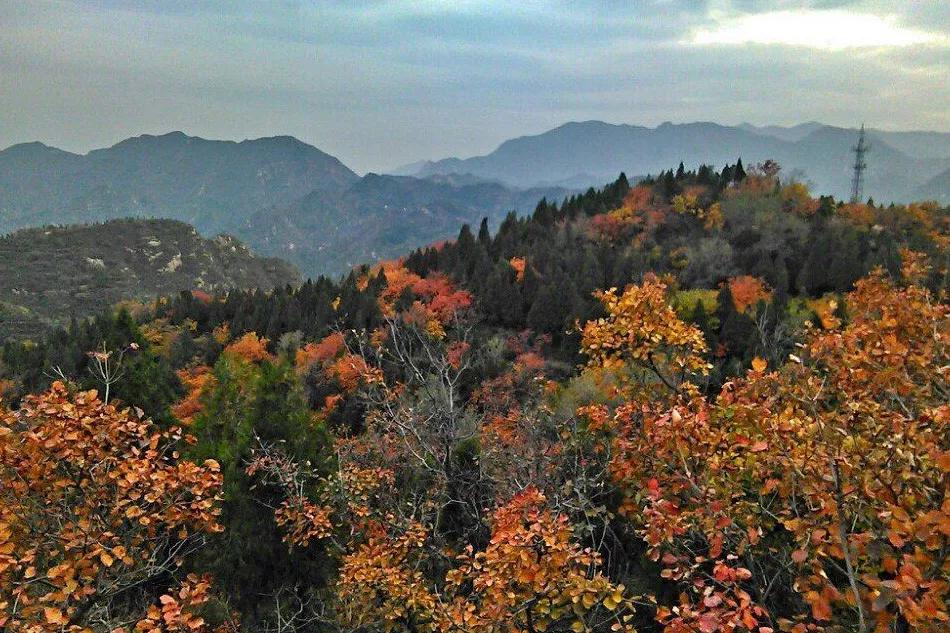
pixel 53 274
pixel 706 402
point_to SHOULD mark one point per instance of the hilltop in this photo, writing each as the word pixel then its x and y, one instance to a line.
pixel 49 275
pixel 210 184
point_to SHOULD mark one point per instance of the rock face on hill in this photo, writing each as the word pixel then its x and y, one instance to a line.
pixel 49 275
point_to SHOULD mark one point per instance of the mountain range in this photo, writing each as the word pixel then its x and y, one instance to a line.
pixel 279 195
pixel 901 165
pixel 48 275
pixel 285 198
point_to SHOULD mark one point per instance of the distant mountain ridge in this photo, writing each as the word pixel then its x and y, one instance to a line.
pixel 285 198
pixel 210 184
pixel 594 151
pixel 50 274
pixel 382 217
pixel 279 195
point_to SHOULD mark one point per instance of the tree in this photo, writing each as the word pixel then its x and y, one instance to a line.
pixel 252 398
pixel 809 496
pixel 642 328
pixel 97 507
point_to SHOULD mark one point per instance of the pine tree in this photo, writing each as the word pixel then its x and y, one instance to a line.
pixel 484 237
pixel 739 173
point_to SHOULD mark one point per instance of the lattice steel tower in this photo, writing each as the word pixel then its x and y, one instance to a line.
pixel 857 181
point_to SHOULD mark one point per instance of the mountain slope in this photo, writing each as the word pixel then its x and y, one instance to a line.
pixel 210 184
pixel 48 275
pixel 381 217
pixel 937 188
pixel 821 153
pixel 280 196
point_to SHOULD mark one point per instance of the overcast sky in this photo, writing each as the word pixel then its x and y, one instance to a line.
pixel 379 84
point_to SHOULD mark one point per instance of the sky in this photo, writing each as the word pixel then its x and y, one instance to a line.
pixel 383 83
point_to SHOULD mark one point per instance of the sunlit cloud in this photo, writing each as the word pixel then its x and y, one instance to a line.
pixel 832 30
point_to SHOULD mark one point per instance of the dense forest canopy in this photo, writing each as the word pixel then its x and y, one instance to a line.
pixel 706 401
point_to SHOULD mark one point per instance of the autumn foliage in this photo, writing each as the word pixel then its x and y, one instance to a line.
pixel 428 445
pixel 827 477
pixel 642 328
pixel 94 502
pixel 747 291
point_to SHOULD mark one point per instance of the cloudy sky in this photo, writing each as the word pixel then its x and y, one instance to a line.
pixel 382 83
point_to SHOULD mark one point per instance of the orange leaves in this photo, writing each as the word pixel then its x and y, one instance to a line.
pixel 352 371
pixel 380 581
pixel 824 308
pixel 747 291
pixel 860 421
pixel 857 212
pixel 797 199
pixel 842 449
pixel 196 381
pixel 436 300
pixel 177 612
pixel 609 226
pixel 455 352
pixel 531 574
pixel 325 350
pixel 303 521
pixel 85 491
pixel 518 264
pixel 249 347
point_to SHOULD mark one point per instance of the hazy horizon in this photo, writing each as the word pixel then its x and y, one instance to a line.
pixel 390 83
pixel 343 159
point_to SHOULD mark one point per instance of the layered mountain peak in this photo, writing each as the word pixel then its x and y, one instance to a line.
pixel 588 153
pixel 213 184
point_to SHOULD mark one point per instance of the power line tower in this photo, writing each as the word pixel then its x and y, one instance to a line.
pixel 857 181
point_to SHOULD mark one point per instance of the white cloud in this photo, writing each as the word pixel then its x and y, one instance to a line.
pixel 822 29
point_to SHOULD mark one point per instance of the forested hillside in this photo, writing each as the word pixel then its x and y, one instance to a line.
pixel 381 217
pixel 707 402
pixel 53 274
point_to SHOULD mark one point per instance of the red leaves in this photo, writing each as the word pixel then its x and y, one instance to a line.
pixel 322 352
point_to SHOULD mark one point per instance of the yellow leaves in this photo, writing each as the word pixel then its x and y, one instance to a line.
pixel 614 600
pixel 250 348
pixel 642 327
pixel 532 564
pixel 759 365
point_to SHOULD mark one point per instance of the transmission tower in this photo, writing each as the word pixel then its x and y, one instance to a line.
pixel 857 182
